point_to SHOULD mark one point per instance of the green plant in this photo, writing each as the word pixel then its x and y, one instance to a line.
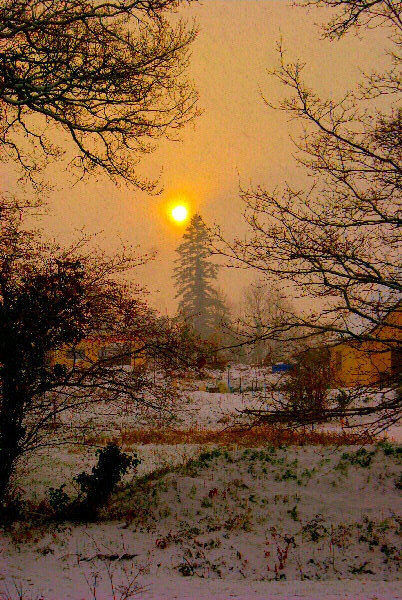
pixel 308 473
pixel 211 543
pixel 206 503
pixel 288 474
pixel 203 461
pixel 391 553
pixel 186 569
pixel 294 513
pixel 384 525
pixel 58 499
pixel 361 457
pixel 241 521
pixel 390 449
pixel 98 485
pixel 361 569
pixel 369 533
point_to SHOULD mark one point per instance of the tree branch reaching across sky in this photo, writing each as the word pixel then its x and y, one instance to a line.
pixel 108 76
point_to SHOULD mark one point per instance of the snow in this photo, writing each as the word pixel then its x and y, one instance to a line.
pixel 226 524
pixel 221 515
pixel 76 587
pixel 169 589
pixel 196 407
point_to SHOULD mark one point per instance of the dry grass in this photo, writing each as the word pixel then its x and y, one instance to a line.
pixel 254 437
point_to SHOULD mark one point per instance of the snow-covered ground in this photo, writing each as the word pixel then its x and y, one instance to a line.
pixel 308 522
pixel 230 524
pixel 198 409
pixel 203 404
pixel 78 586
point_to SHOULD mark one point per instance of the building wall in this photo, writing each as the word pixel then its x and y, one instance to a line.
pixel 91 350
pixel 369 363
pixel 363 364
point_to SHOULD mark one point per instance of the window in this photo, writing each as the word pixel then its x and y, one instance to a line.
pixel 76 354
pixel 116 354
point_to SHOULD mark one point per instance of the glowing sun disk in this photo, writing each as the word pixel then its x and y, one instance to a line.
pixel 179 213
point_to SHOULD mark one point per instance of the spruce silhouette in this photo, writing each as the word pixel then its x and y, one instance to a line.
pixel 194 275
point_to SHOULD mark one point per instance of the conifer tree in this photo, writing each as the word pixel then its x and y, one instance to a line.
pixel 194 275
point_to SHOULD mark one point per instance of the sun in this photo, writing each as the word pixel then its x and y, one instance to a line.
pixel 179 213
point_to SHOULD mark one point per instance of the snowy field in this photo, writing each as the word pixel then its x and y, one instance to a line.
pixel 204 404
pixel 306 522
pixel 214 523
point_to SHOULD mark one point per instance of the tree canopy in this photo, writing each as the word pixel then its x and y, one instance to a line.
pixel 53 299
pixel 336 241
pixel 108 77
pixel 194 275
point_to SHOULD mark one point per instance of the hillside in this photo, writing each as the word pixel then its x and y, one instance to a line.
pixel 287 520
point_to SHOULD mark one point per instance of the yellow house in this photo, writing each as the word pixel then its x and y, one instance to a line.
pixel 114 351
pixel 355 363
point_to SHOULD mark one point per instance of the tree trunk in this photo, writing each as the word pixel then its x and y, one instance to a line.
pixel 8 457
pixel 11 434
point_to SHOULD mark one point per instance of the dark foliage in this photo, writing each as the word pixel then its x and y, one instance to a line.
pixel 97 486
pixel 194 276
pixel 51 300
pixel 109 76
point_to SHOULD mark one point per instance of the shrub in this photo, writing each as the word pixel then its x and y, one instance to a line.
pixel 98 485
pixel 390 449
pixel 315 529
pixel 58 499
pixel 12 508
pixel 308 382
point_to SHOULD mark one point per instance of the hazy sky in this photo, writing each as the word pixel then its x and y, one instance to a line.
pixel 236 139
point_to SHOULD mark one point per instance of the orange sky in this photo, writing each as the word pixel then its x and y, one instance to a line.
pixel 236 138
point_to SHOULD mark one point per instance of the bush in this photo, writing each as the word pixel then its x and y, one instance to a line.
pixel 12 508
pixel 308 382
pixel 95 487
pixel 59 499
pixel 98 485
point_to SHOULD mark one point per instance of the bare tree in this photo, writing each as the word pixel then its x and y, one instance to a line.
pixel 53 299
pixel 108 76
pixel 102 81
pixel 262 307
pixel 337 241
pixel 300 396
